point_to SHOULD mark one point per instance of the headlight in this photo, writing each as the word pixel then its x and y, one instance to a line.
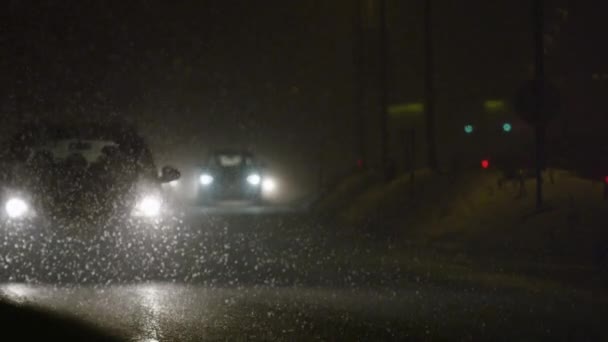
pixel 206 179
pixel 254 179
pixel 16 208
pixel 148 206
pixel 174 183
pixel 269 185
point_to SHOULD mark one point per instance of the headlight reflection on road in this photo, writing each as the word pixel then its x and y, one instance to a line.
pixel 16 292
pixel 151 323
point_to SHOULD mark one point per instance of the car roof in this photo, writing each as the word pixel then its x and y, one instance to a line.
pixel 118 132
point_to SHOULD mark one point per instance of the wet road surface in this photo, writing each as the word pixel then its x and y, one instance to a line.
pixel 278 277
pixel 177 312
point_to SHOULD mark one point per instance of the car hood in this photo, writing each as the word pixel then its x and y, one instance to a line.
pixel 83 191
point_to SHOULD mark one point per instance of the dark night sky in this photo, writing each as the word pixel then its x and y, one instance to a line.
pixel 276 76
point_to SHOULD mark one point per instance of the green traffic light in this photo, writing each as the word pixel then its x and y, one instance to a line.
pixel 506 127
pixel 468 129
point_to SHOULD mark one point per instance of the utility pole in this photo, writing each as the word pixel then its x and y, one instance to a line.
pixel 429 104
pixel 539 75
pixel 358 48
pixel 429 101
pixel 384 133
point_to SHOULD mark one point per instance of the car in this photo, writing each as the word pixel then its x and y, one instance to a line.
pixel 233 175
pixel 74 189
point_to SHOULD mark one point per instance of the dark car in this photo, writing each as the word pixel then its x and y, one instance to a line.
pixel 72 186
pixel 232 175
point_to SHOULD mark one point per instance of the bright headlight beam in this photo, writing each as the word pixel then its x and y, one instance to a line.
pixel 254 179
pixel 16 207
pixel 149 206
pixel 206 179
pixel 269 185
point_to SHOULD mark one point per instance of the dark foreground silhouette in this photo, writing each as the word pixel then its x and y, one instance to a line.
pixel 27 323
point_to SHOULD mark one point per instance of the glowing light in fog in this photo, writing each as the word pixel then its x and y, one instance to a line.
pixel 149 206
pixel 485 163
pixel 269 185
pixel 507 127
pixel 16 207
pixel 174 183
pixel 254 179
pixel 206 179
pixel 468 129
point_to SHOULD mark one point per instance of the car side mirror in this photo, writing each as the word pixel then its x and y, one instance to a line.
pixel 169 174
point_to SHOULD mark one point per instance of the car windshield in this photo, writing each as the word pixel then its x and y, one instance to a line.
pixel 383 170
pixel 230 160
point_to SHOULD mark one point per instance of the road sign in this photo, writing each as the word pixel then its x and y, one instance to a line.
pixel 526 102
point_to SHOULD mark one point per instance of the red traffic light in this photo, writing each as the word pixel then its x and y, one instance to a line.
pixel 606 179
pixel 485 163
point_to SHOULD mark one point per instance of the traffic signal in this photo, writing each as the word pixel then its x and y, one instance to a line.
pixel 485 164
pixel 606 179
pixel 468 129
pixel 506 127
